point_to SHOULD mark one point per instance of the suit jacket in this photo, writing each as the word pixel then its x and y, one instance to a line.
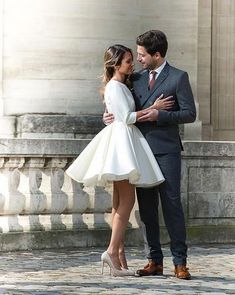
pixel 163 134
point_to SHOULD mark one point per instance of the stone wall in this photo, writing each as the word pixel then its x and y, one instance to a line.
pixel 208 191
pixel 41 207
pixel 51 54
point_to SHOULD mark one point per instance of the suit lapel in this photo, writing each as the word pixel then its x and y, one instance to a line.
pixel 161 77
pixel 141 88
pixel 156 90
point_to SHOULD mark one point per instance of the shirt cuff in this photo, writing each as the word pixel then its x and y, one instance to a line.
pixel 131 118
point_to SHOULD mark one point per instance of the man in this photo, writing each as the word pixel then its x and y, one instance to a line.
pixel 160 128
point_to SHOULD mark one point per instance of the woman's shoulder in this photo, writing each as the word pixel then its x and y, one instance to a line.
pixel 114 84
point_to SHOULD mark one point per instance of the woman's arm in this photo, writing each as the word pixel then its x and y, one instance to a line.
pixel 159 104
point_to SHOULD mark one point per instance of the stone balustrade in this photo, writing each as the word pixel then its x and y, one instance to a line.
pixel 40 206
pixel 36 194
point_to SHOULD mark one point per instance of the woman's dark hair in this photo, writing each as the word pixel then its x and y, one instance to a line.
pixel 113 57
pixel 153 41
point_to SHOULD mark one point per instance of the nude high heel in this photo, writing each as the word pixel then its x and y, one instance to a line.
pixel 105 258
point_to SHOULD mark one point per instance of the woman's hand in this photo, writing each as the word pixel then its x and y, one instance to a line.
pixel 108 118
pixel 163 103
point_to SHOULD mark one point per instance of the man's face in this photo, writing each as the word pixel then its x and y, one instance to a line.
pixel 147 60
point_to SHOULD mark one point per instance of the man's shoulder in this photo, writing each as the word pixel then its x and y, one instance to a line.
pixel 175 71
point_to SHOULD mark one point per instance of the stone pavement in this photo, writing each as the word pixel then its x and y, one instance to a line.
pixel 77 271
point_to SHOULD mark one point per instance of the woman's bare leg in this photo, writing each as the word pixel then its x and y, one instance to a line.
pixel 126 197
pixel 115 200
pixel 122 256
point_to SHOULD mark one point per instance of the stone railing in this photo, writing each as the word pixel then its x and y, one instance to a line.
pixel 40 206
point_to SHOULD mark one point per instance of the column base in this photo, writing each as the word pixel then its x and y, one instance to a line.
pixel 7 126
pixel 193 131
pixel 58 126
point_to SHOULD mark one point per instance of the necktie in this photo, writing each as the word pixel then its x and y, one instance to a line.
pixel 152 80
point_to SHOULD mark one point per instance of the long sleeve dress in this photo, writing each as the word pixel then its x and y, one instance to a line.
pixel 119 151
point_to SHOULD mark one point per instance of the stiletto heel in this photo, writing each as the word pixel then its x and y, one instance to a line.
pixel 102 267
pixel 105 258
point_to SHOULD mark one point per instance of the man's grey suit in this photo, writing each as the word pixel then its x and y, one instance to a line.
pixel 164 140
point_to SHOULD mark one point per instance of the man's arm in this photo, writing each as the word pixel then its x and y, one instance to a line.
pixel 159 104
pixel 187 109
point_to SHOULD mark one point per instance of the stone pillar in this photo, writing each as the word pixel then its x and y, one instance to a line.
pixel 204 66
pixel 183 42
pixel 53 52
pixel 1 56
pixel 7 123
pixel 223 74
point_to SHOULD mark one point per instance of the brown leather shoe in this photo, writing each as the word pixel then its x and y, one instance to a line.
pixel 181 272
pixel 151 269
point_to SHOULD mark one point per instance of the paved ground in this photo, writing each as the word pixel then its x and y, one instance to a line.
pixel 77 271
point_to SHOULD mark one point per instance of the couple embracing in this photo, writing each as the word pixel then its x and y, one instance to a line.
pixel 140 151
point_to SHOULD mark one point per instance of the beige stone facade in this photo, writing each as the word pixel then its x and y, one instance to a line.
pixel 52 51
pixel 51 55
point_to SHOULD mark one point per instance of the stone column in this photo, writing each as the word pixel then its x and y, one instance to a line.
pixel 1 55
pixel 7 123
pixel 204 65
pixel 223 74
pixel 183 42
pixel 53 62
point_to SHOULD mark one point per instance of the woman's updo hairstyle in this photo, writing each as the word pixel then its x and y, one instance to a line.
pixel 112 58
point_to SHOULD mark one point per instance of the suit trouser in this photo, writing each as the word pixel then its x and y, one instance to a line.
pixel 169 192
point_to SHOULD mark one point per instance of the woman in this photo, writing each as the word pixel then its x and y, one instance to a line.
pixel 119 153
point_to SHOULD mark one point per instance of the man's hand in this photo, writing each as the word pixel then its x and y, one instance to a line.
pixel 163 103
pixel 148 115
pixel 108 118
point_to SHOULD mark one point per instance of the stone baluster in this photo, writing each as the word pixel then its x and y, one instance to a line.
pixel 98 212
pixel 78 201
pixel 13 200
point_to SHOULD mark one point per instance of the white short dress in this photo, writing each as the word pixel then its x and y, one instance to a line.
pixel 119 151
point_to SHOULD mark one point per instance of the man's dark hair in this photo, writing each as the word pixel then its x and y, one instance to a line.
pixel 153 41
